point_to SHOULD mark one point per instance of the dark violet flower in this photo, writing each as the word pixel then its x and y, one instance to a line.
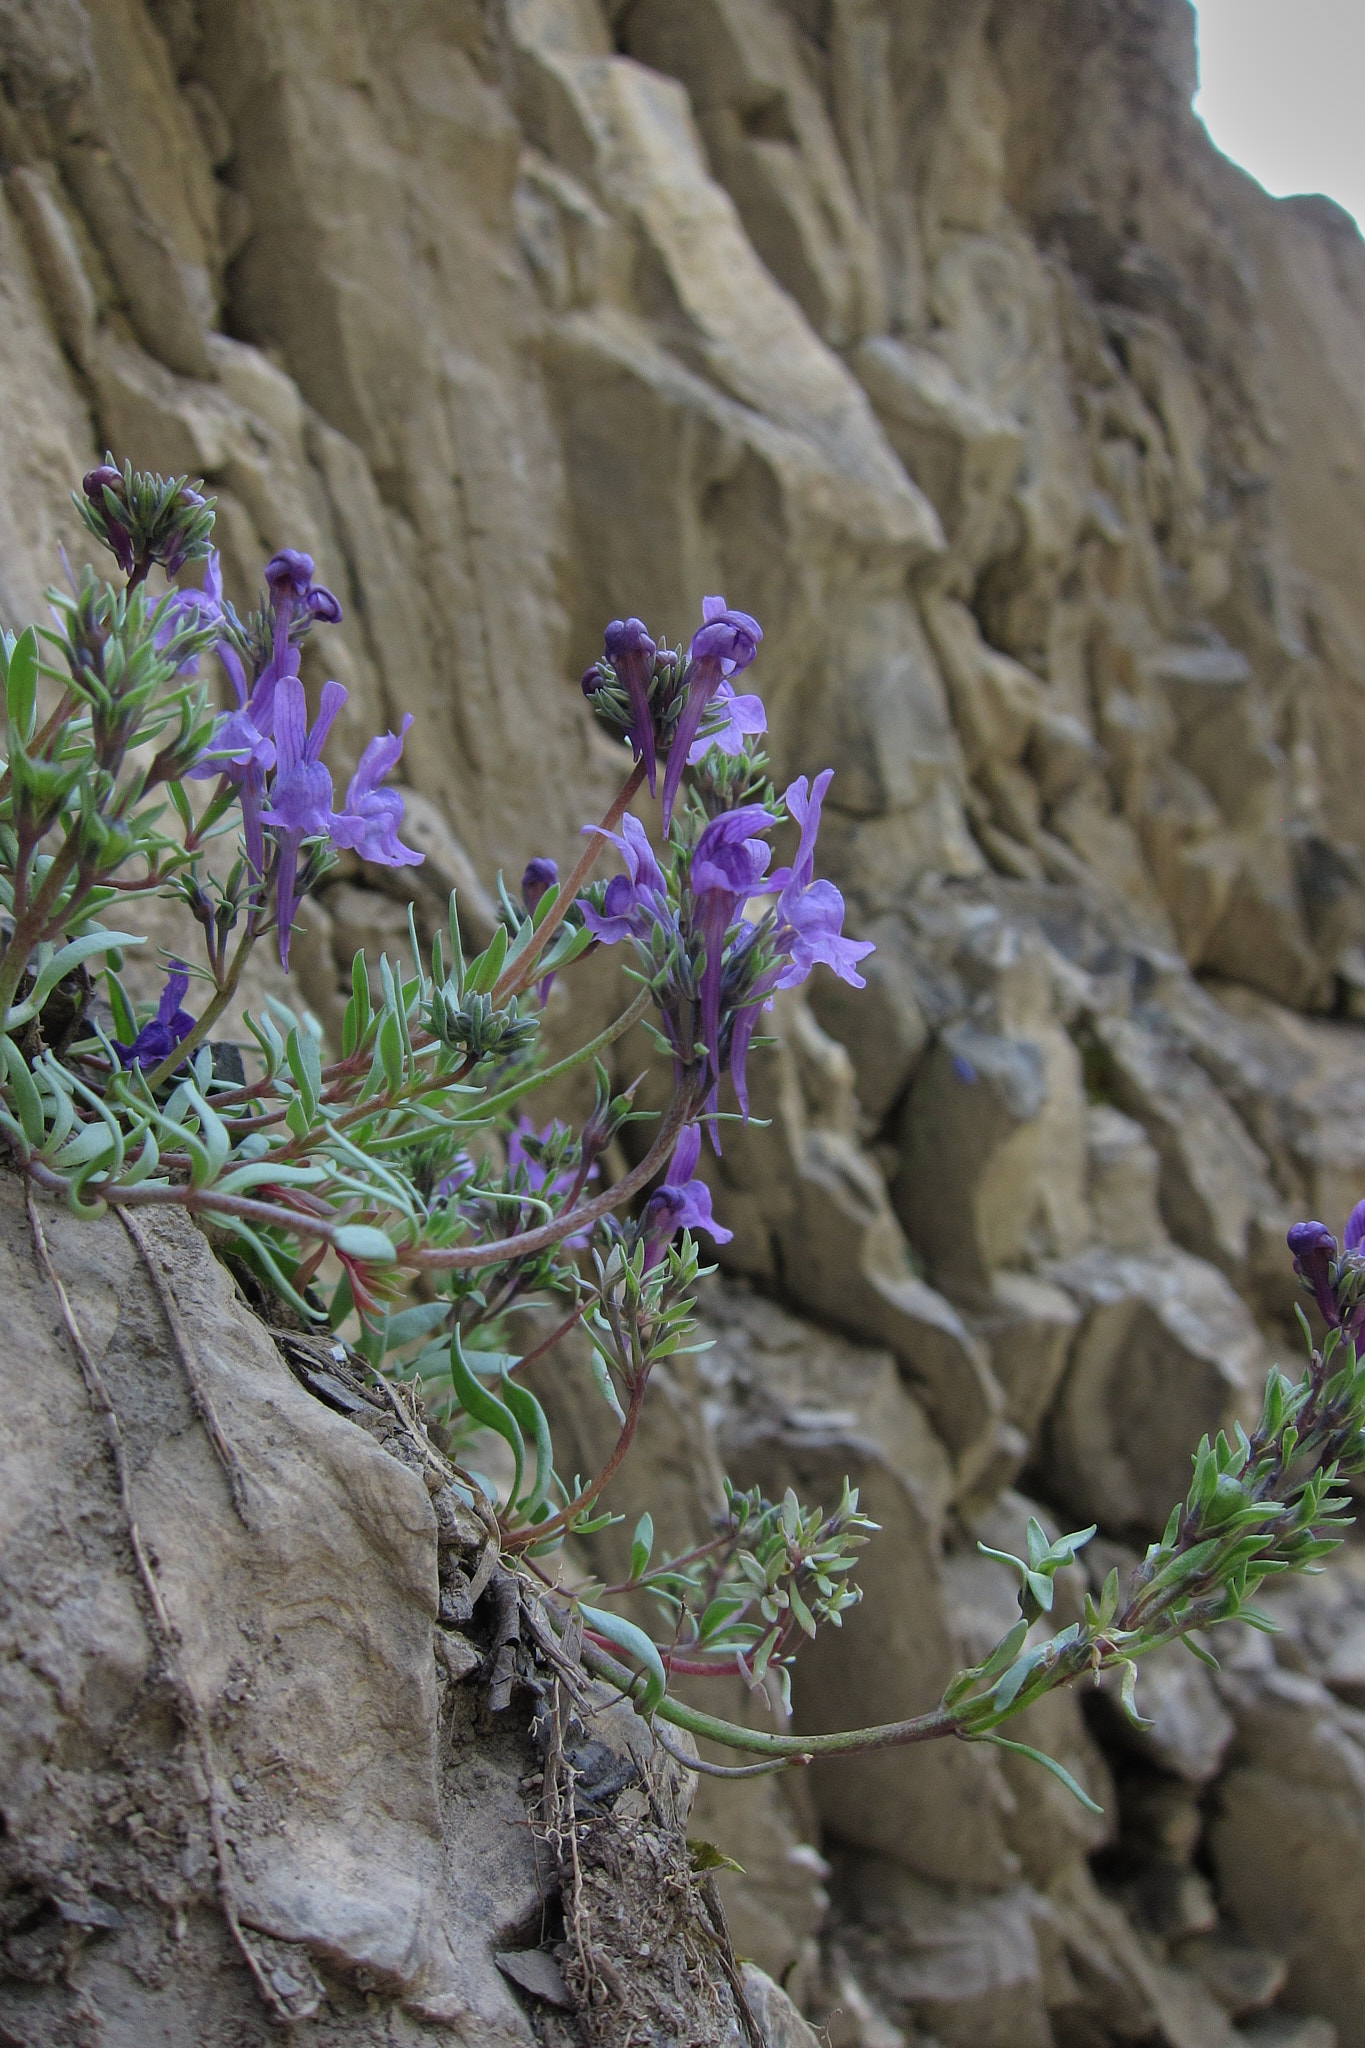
pixel 289 575
pixel 1315 1250
pixel 540 876
pixel 723 645
pixel 95 483
pixel 301 795
pixel 729 864
pixel 171 1025
pixel 369 824
pixel 682 1203
pixel 635 901
pixel 742 719
pixel 1337 1282
pixel 630 651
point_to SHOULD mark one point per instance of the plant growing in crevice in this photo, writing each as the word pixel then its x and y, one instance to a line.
pixel 395 1190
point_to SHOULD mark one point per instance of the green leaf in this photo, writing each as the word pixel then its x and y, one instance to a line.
pixel 602 1378
pixel 357 1019
pixel 722 1610
pixel 1049 1764
pixel 705 1856
pixel 1128 1696
pixel 1041 1587
pixel 125 1022
pixel 411 1323
pixel 305 1064
pixel 363 1241
pixel 636 1644
pixel 642 1546
pixel 533 1423
pixel 486 969
pixel 21 684
pixel 391 1051
pixel 1003 1655
pixel 61 963
pixel 486 1408
pixel 1018 1675
pixel 216 1142
pixel 28 1104
pixel 805 1620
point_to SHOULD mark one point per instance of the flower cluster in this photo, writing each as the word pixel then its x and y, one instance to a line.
pixel 714 966
pixel 663 704
pixel 269 730
pixel 144 519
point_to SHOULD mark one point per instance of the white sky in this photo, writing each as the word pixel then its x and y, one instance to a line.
pixel 1283 92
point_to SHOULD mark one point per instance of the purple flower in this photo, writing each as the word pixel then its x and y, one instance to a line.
pixel 631 652
pixel 95 483
pixel 811 913
pixel 682 1203
pixel 301 794
pixel 190 610
pixel 540 876
pixel 289 575
pixel 369 824
pixel 1315 1250
pixel 160 1036
pixel 743 719
pixel 729 863
pixel 726 643
pixel 635 901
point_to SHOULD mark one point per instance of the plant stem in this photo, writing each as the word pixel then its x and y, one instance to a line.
pixel 460 1258
pixel 850 1742
pixel 521 973
pixel 616 1029
pixel 548 1343
pixel 29 929
pixel 522 1539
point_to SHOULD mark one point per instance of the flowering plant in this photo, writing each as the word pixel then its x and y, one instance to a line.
pixel 340 1177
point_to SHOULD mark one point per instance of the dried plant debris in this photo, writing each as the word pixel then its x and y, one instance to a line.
pixel 644 1954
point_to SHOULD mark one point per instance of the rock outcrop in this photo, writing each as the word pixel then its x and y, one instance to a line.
pixel 936 334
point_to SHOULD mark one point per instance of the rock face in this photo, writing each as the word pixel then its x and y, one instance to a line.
pixel 934 333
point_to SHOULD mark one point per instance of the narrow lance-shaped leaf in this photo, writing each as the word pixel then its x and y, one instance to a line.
pixel 485 1407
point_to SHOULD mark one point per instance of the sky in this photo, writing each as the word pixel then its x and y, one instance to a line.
pixel 1282 92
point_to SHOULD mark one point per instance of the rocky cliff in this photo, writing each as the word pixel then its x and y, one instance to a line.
pixel 936 334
